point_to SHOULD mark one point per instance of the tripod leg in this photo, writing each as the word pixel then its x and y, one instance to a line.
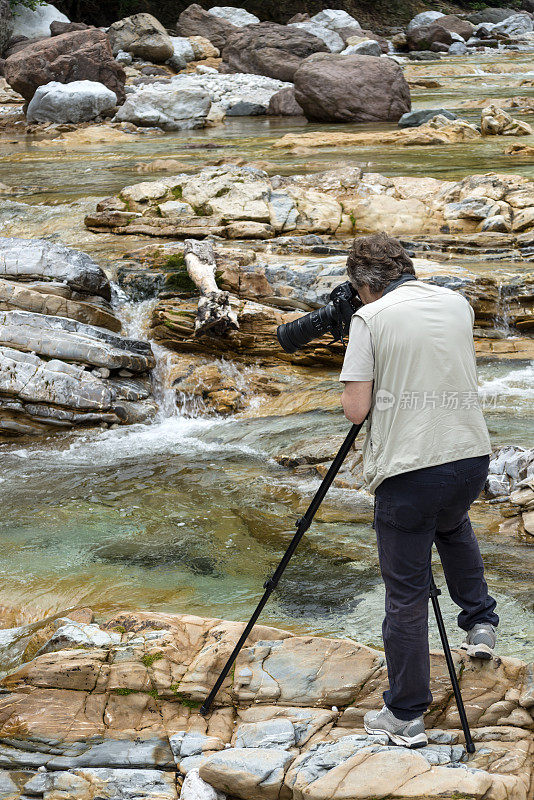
pixel 434 594
pixel 270 585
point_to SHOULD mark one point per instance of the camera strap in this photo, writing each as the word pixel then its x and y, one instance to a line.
pixel 398 282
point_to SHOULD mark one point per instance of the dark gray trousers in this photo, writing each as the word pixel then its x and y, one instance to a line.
pixel 412 511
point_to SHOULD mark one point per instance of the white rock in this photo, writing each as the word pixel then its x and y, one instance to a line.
pixel 194 788
pixel 172 106
pixel 425 18
pixel 35 23
pixel 237 16
pixel 516 25
pixel 332 40
pixel 240 94
pixel 182 48
pixel 367 47
pixel 79 101
pixel 338 21
pixel 457 49
pixel 123 57
pixel 77 634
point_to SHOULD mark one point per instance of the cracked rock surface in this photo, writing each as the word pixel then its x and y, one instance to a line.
pixel 111 710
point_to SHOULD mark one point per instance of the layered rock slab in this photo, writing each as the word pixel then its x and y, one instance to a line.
pixel 128 711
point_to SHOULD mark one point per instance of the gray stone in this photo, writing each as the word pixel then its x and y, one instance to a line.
pixel 79 101
pixel 278 733
pixel 171 106
pixel 367 47
pixel 194 788
pixel 183 49
pixel 497 486
pixel 142 36
pixel 498 224
pixel 68 339
pixel 423 19
pixel 471 208
pixel 124 58
pixel 76 634
pixel 39 259
pixel 241 771
pixel 339 21
pixel 516 25
pixel 457 49
pixel 35 23
pixel 414 118
pixel 491 15
pixel 119 784
pixel 332 40
pixel 236 16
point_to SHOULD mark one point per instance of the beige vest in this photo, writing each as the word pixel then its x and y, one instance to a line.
pixel 425 408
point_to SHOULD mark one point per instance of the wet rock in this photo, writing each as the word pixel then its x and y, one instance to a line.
pixel 26 260
pixel 194 21
pixel 78 101
pixel 423 19
pixel 83 55
pixel 270 49
pixel 236 16
pixel 495 121
pixel 34 23
pixel 338 21
pixel 170 106
pixel 332 40
pixel 6 25
pixel 457 49
pixel 142 36
pixel 67 339
pixel 414 118
pixel 284 104
pixel 351 89
pixel 71 635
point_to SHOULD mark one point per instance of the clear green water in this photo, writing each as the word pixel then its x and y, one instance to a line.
pixel 191 515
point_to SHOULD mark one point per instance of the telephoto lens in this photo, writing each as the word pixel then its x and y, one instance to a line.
pixel 332 318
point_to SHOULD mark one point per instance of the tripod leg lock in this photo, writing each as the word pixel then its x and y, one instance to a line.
pixel 434 591
pixel 270 583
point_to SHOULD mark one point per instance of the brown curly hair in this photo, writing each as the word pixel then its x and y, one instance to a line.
pixel 377 260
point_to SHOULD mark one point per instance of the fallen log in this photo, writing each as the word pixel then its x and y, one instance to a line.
pixel 214 311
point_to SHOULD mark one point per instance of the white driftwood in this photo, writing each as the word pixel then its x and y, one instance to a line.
pixel 214 310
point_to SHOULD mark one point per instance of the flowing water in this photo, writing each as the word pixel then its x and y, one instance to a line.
pixel 192 512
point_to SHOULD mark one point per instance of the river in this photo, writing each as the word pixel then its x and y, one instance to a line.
pixel 191 513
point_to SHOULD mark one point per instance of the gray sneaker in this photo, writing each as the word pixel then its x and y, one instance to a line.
pixel 480 641
pixel 407 734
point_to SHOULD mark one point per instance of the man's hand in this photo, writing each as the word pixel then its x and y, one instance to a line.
pixel 356 400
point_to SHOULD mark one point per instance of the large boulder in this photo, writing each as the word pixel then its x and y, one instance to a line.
pixel 516 25
pixel 283 104
pixel 82 55
pixel 79 101
pixel 6 25
pixel 194 21
pixel 35 23
pixel 332 40
pixel 423 38
pixel 454 24
pixel 171 106
pixel 338 21
pixel 423 19
pixel 270 49
pixel 142 36
pixel 336 88
pixel 237 16
pixel 491 15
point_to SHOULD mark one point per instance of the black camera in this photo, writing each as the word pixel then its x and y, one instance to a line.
pixel 332 318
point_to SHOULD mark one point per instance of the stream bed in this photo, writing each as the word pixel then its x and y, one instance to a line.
pixel 190 514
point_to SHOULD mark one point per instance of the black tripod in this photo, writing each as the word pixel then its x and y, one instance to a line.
pixel 302 526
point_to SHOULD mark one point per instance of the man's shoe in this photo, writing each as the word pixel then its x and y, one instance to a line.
pixel 409 733
pixel 480 641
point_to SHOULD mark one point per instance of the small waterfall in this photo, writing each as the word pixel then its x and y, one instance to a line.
pixel 502 319
pixel 135 318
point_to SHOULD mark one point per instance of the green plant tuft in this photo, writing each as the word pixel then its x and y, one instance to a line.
pixel 149 658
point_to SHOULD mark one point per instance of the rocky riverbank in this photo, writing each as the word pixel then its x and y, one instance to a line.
pixel 112 710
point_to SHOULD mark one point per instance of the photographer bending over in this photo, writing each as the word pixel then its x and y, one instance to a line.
pixel 410 364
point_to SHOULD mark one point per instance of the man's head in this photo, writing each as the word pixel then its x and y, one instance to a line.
pixel 374 262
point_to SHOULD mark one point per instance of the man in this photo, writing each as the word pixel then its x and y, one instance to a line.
pixel 410 364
